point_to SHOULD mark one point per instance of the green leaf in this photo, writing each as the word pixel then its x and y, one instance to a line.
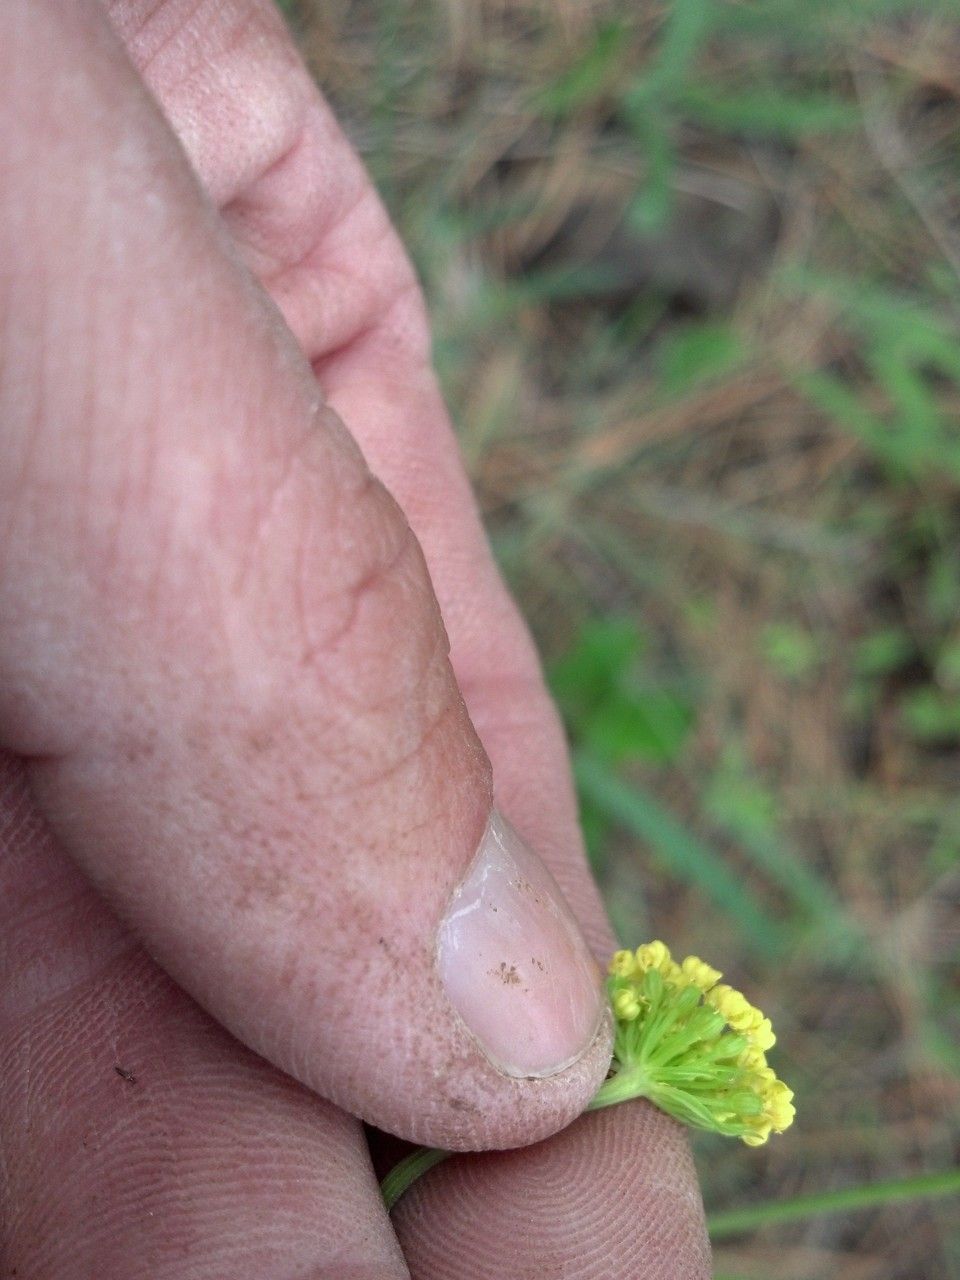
pixel 948 665
pixel 650 208
pixel 790 650
pixel 874 310
pixel 882 652
pixel 737 800
pixel 697 354
pixel 604 652
pixel 608 708
pixel 653 726
pixel 647 106
pixel 841 402
pixel 931 716
pixel 942 589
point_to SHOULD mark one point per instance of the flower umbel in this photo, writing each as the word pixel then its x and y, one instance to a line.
pixel 692 1045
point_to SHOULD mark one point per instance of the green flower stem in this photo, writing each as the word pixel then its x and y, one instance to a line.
pixel 409 1169
pixel 626 1084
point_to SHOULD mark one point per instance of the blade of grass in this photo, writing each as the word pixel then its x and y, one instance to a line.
pixel 738 803
pixel 843 1200
pixel 684 854
pixel 647 107
pixel 769 112
pixel 836 934
pixel 587 76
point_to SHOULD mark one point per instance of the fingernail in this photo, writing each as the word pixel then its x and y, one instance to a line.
pixel 514 963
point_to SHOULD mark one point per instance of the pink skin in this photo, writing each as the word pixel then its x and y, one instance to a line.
pixel 186 534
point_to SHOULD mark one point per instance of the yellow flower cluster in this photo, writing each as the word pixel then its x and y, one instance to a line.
pixel 740 1014
pixel 693 1045
pixel 692 972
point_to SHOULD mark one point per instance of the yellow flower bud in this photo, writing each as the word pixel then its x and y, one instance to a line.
pixel 758 1137
pixel 762 1036
pixel 700 974
pixel 780 1109
pixel 781 1116
pixel 623 964
pixel 653 955
pixel 734 1006
pixel 752 1058
pixel 718 995
pixel 746 1020
pixel 626 1006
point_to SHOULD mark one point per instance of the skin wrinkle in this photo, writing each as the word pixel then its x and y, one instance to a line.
pixel 388 773
pixel 268 108
pixel 416 659
pixel 373 320
pixel 107 552
pixel 304 241
pixel 263 517
pixel 268 169
pixel 240 215
pixel 279 231
pixel 136 20
pixel 178 32
pixel 387 564
pixel 383 573
pixel 423 473
pixel 400 335
pixel 349 781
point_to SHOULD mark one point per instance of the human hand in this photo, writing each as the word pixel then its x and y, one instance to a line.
pixel 227 704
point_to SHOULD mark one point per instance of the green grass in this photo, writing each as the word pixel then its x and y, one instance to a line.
pixel 844 1200
pixel 694 270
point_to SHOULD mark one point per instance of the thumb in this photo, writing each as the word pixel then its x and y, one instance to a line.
pixel 221 655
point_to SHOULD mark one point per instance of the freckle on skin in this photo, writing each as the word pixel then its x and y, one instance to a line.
pixel 507 975
pixel 260 741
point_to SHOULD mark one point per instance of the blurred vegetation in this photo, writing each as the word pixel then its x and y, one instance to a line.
pixel 694 269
